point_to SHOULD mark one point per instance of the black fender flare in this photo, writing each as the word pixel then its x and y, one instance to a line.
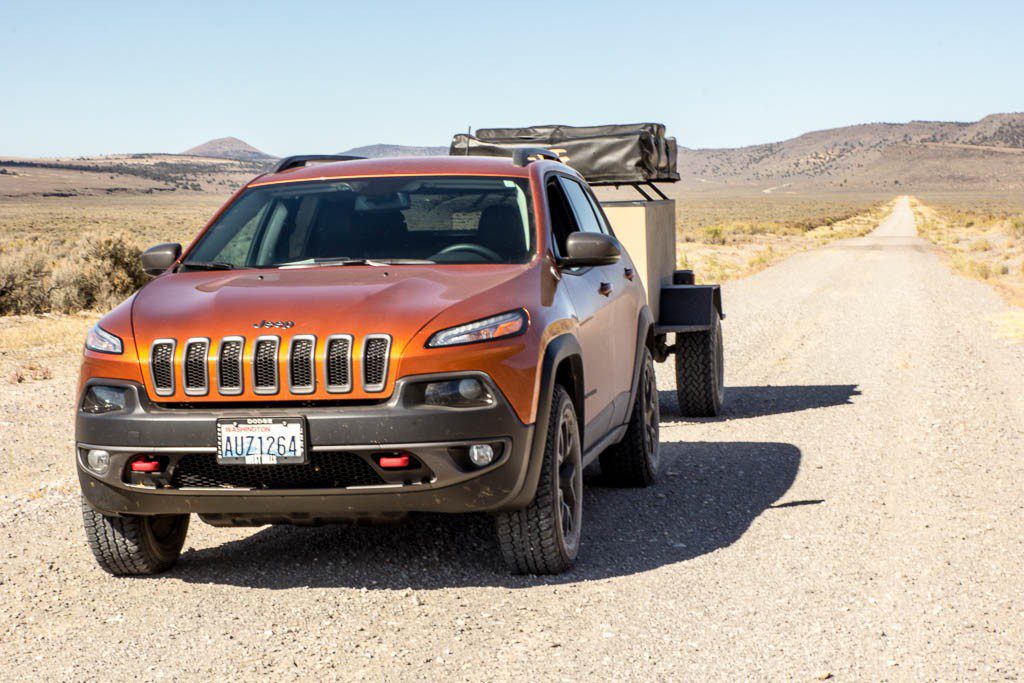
pixel 644 330
pixel 561 348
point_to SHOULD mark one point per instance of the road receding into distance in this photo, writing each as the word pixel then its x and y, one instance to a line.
pixel 857 513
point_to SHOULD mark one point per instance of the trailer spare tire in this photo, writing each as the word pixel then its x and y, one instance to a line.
pixel 700 384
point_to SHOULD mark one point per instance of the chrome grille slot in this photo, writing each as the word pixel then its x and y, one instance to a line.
pixel 376 348
pixel 229 366
pixel 264 365
pixel 194 368
pixel 161 366
pixel 338 365
pixel 300 364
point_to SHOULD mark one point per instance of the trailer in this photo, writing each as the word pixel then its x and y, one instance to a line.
pixel 688 316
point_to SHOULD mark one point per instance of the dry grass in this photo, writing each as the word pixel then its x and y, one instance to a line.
pixel 22 333
pixel 724 238
pixel 983 237
pixel 33 346
pixel 71 254
pixel 80 253
pixel 88 273
pixel 150 219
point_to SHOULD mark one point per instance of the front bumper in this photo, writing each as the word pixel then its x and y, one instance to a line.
pixel 437 437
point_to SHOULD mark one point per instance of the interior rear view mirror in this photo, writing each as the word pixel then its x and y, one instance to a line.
pixel 393 201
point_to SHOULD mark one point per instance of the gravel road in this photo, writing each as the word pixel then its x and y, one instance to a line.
pixel 856 514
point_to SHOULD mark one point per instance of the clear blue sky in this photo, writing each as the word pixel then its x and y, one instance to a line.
pixel 294 77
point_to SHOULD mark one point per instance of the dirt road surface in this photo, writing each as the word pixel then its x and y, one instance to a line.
pixel 857 514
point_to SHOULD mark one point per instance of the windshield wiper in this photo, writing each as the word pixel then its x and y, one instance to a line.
pixel 207 265
pixel 378 261
pixel 348 261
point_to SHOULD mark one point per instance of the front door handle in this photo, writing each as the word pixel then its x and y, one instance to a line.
pixel 628 272
pixel 605 289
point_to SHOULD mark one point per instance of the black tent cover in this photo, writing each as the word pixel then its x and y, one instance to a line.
pixel 619 154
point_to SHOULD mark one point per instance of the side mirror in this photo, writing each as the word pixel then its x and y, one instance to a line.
pixel 156 260
pixel 585 249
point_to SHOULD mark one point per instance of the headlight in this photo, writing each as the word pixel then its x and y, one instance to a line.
pixel 100 340
pixel 100 399
pixel 498 326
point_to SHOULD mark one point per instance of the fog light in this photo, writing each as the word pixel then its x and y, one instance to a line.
pixel 100 399
pixel 470 389
pixel 481 454
pixel 457 393
pixel 98 461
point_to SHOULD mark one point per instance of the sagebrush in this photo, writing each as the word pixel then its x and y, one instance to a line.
pixel 92 272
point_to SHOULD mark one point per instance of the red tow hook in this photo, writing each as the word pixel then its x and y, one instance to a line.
pixel 145 464
pixel 398 461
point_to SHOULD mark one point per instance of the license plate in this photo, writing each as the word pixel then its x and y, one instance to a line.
pixel 261 441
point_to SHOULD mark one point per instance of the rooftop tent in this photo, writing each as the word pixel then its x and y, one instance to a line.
pixel 604 155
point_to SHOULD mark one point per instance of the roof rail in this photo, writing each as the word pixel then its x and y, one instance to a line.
pixel 521 155
pixel 304 159
pixel 639 187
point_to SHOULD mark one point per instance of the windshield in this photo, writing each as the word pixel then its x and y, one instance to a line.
pixel 457 219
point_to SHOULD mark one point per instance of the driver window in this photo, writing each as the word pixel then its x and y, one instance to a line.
pixel 585 217
pixel 563 223
pixel 601 218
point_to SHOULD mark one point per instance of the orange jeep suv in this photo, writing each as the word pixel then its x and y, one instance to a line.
pixel 365 339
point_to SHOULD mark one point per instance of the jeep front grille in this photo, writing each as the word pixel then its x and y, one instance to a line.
pixel 296 357
pixel 229 366
pixel 194 370
pixel 264 365
pixel 338 369
pixel 161 366
pixel 375 362
pixel 300 365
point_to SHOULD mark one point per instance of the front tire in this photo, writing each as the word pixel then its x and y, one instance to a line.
pixel 134 545
pixel 634 461
pixel 544 537
pixel 700 372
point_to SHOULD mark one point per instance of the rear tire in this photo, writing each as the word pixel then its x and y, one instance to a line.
pixel 700 383
pixel 544 537
pixel 633 461
pixel 134 545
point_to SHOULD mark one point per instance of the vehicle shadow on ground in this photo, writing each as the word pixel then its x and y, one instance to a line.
pixel 708 496
pixel 744 402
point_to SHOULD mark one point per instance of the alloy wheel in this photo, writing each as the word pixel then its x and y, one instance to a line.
pixel 570 478
pixel 652 415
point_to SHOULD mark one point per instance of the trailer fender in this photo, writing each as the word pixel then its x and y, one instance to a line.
pixel 689 308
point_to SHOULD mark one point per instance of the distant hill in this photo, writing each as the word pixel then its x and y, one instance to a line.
pixel 384 150
pixel 920 155
pixel 227 148
pixel 985 155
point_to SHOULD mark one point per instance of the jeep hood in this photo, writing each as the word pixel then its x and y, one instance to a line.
pixel 357 300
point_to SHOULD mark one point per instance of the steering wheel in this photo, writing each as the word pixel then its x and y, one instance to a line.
pixel 478 249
